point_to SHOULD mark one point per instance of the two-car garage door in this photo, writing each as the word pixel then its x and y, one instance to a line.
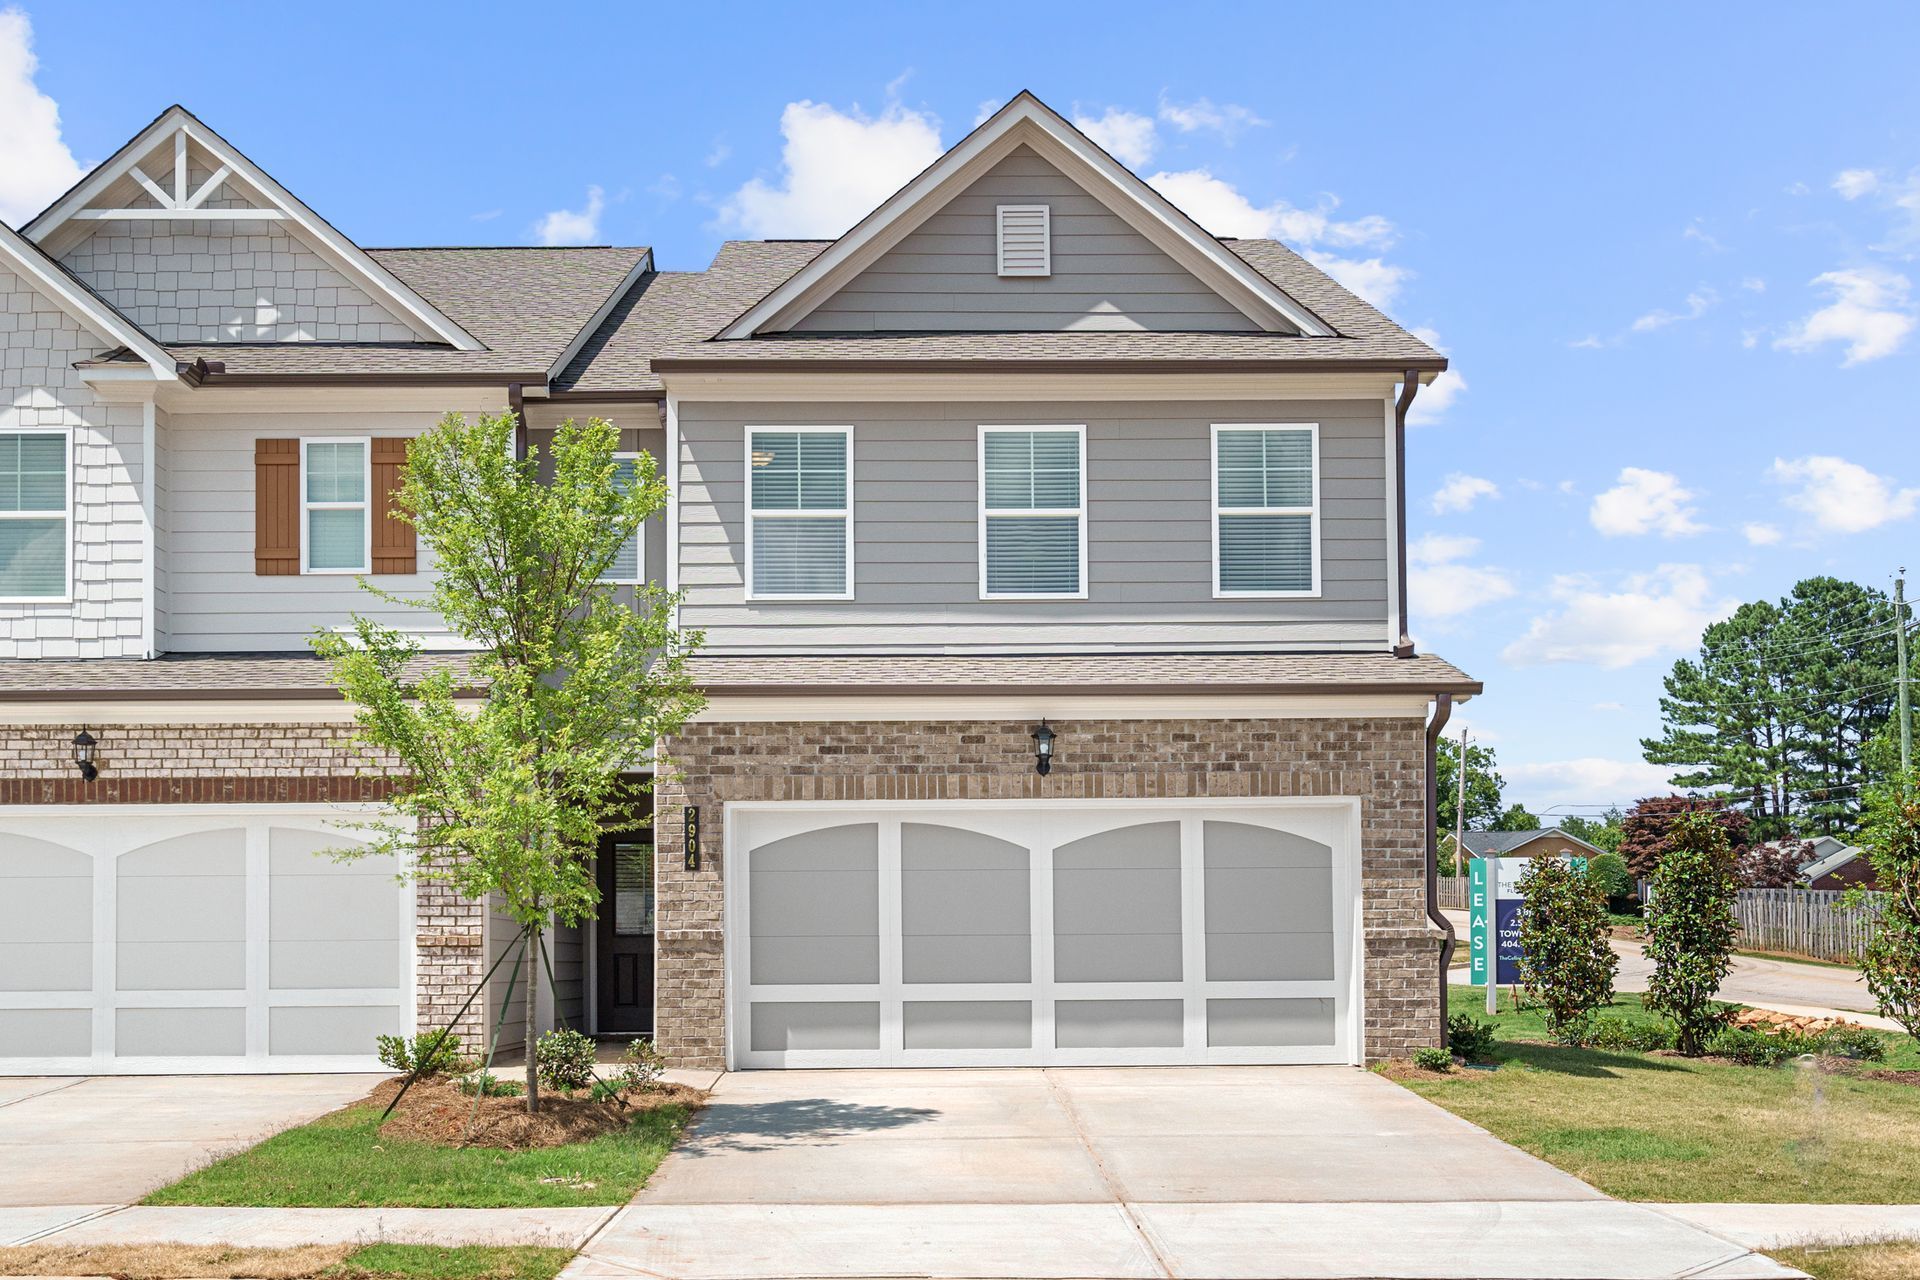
pixel 1021 933
pixel 143 939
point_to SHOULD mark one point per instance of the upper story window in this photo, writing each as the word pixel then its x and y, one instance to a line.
pixel 1033 527
pixel 630 565
pixel 799 513
pixel 1023 239
pixel 1266 509
pixel 36 511
pixel 334 515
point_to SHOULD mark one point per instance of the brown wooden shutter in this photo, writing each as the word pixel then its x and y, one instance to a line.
pixel 393 540
pixel 276 507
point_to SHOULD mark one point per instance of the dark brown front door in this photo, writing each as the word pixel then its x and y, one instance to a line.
pixel 625 934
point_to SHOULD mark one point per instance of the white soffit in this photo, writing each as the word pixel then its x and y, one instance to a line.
pixel 1028 120
pixel 66 221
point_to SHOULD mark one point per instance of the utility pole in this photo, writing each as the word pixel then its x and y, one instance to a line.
pixel 1900 659
pixel 1460 809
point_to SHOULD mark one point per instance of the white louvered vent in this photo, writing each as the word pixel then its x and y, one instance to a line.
pixel 1025 240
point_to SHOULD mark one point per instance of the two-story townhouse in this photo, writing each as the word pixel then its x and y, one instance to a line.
pixel 1049 553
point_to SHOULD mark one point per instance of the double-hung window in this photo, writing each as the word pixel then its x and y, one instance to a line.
pixel 1266 509
pixel 335 520
pixel 1033 516
pixel 799 513
pixel 36 512
pixel 630 564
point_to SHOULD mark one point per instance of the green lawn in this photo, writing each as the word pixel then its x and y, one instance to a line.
pixel 1654 1127
pixel 340 1160
pixel 1892 1260
pixel 303 1262
pixel 437 1262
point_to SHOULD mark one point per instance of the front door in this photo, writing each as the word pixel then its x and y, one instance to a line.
pixel 625 934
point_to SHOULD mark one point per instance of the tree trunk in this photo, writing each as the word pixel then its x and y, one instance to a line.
pixel 532 1032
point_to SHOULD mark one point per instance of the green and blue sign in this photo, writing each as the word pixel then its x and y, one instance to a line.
pixel 1494 916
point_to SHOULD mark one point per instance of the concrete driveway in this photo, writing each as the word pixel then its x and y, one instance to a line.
pixel 100 1140
pixel 1153 1173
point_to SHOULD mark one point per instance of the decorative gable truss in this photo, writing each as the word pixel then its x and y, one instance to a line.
pixel 1023 157
pixel 197 244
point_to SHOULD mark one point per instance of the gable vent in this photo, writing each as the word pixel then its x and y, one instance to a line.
pixel 1025 240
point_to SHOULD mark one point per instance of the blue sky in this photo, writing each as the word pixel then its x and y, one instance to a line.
pixel 1670 248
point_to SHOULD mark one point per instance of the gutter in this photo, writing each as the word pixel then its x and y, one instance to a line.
pixel 213 373
pixel 1442 710
pixel 962 364
pixel 517 406
pixel 1464 689
pixel 1409 388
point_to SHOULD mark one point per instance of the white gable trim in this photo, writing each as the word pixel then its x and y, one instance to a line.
pixel 599 317
pixel 27 262
pixel 339 252
pixel 1028 120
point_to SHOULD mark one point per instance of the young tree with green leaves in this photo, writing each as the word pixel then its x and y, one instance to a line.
pixel 1602 833
pixel 1483 785
pixel 1892 959
pixel 1566 962
pixel 507 797
pixel 1691 927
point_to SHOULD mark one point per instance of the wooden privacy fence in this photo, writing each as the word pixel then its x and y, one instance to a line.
pixel 1453 893
pixel 1810 922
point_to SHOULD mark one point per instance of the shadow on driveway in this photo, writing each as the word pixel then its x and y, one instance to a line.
pixel 762 1126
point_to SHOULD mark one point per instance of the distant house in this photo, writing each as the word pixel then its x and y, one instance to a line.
pixel 1839 868
pixel 1542 842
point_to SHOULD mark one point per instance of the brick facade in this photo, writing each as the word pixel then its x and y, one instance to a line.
pixel 1380 761
pixel 252 764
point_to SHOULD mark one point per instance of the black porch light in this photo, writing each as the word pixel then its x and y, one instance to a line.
pixel 1043 749
pixel 83 750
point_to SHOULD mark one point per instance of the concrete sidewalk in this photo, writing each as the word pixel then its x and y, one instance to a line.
pixel 278 1228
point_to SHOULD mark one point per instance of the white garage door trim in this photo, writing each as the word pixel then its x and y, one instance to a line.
pixel 1044 826
pixel 106 832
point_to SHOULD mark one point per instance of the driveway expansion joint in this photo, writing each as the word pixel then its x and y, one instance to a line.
pixel 1147 1243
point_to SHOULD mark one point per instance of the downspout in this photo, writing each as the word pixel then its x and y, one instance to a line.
pixel 1409 388
pixel 517 406
pixel 1442 709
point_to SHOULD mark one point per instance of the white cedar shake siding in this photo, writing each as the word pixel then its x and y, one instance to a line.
pixel 227 281
pixel 39 344
pixel 1149 532
pixel 944 275
pixel 216 600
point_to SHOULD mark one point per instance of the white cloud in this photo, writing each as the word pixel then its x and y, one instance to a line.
pixel 1592 342
pixel 1842 496
pixel 1609 706
pixel 35 165
pixel 1373 279
pixel 1437 396
pixel 1440 586
pixel 1869 313
pixel 1130 137
pixel 1854 183
pixel 1588 780
pixel 1761 534
pixel 1459 491
pixel 1644 501
pixel 718 154
pixel 1753 284
pixel 1706 239
pixel 1644 616
pixel 836 167
pixel 573 226
pixel 1698 303
pixel 1228 120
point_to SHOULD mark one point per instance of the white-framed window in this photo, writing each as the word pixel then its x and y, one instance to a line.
pixel 336 524
pixel 1266 509
pixel 799 513
pixel 1033 516
pixel 36 515
pixel 629 567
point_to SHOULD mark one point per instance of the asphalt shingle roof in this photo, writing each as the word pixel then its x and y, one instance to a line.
pixel 1496 843
pixel 190 676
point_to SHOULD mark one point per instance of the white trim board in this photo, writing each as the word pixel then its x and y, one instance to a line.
pixel 724 708
pixel 31 264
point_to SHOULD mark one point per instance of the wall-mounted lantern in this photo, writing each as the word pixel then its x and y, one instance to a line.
pixel 1043 749
pixel 83 752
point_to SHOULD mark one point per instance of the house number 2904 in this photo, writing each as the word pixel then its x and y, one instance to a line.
pixel 692 815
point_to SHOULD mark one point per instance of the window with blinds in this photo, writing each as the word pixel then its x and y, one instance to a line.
pixel 1032 512
pixel 1266 516
pixel 630 563
pixel 334 530
pixel 1024 239
pixel 799 513
pixel 35 540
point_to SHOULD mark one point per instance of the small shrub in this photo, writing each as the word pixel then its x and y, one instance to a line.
pixel 564 1058
pixel 1433 1059
pixel 428 1053
pixel 1753 1048
pixel 1470 1038
pixel 1609 1031
pixel 488 1085
pixel 1609 874
pixel 1892 959
pixel 1566 961
pixel 1858 1043
pixel 1691 927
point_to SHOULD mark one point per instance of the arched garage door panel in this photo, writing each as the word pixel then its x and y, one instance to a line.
pixel 1013 934
pixel 144 939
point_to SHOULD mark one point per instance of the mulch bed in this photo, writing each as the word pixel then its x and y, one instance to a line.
pixel 435 1111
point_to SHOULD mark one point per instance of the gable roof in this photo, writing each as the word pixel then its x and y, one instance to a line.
pixel 1498 843
pixel 115 178
pixel 1829 862
pixel 1027 120
pixel 87 307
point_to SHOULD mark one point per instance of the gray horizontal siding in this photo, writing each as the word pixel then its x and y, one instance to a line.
pixel 1149 533
pixel 944 274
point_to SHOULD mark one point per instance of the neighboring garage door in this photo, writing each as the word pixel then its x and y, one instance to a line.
pixel 1014 934
pixel 155 939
